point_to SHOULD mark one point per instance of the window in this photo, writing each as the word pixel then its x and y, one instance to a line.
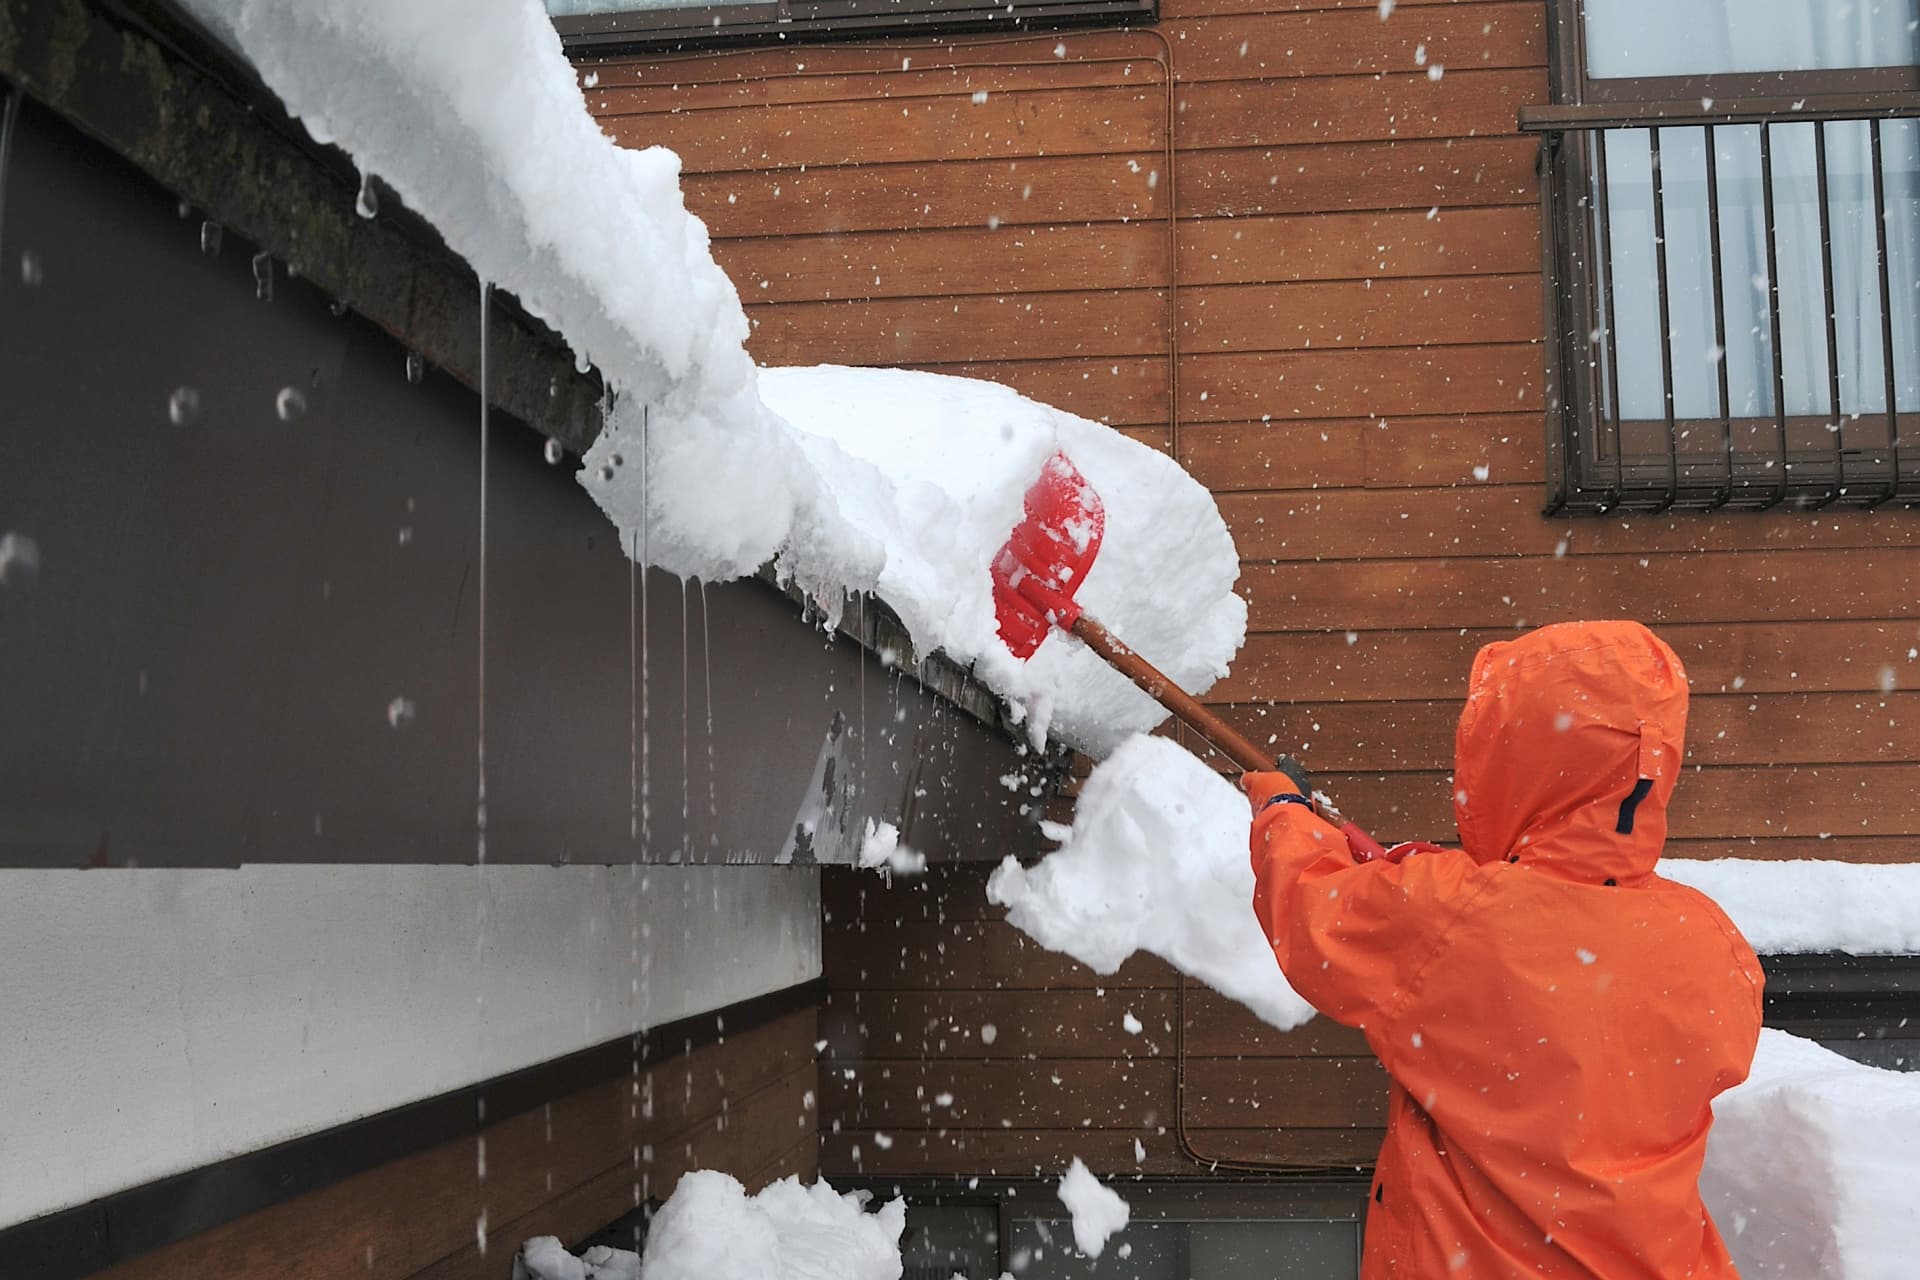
pixel 604 26
pixel 1732 253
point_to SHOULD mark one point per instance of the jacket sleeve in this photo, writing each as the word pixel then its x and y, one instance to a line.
pixel 1351 937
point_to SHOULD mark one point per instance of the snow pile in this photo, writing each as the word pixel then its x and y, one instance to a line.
pixel 711 1229
pixel 1098 1211
pixel 859 480
pixel 1156 861
pixel 1811 1166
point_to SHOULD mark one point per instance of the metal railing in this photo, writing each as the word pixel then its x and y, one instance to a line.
pixel 1802 409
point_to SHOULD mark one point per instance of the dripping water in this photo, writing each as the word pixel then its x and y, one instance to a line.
pixel 480 768
pixel 633 689
pixel 646 778
pixel 641 1094
pixel 8 116
pixel 706 666
pixel 480 808
pixel 860 656
pixel 686 732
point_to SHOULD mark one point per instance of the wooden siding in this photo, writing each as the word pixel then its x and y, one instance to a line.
pixel 745 1104
pixel 1297 246
pixel 955 1046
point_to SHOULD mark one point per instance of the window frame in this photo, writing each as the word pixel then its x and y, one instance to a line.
pixel 1583 477
pixel 697 27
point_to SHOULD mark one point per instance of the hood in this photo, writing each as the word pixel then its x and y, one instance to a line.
pixel 1568 750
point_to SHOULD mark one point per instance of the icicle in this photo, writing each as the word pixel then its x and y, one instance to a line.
pixel 646 780
pixel 263 276
pixel 8 115
pixel 367 203
pixel 706 660
pixel 686 732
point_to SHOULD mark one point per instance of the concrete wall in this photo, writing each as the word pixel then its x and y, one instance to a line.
pixel 157 1020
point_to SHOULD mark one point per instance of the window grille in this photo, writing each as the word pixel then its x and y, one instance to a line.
pixel 1732 255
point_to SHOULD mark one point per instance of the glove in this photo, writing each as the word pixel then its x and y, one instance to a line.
pixel 1287 776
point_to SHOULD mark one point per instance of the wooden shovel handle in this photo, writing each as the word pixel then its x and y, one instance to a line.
pixel 1171 696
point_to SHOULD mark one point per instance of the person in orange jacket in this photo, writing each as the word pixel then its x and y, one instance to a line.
pixel 1556 1018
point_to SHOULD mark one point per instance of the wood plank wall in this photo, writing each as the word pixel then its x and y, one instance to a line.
pixel 1297 245
pixel 956 1046
pixel 745 1105
pixel 1264 235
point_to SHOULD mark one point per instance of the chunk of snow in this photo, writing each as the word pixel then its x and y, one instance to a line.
pixel 934 469
pixel 1156 861
pixel 881 847
pixel 711 1229
pixel 19 556
pixel 1098 1211
pixel 544 1258
pixel 1811 1166
pixel 866 480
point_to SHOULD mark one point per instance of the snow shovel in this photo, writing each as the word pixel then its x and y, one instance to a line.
pixel 1034 579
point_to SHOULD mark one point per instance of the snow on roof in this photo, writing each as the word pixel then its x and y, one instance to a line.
pixel 898 483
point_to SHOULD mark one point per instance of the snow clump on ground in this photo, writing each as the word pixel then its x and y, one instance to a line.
pixel 1811 1166
pixel 711 1229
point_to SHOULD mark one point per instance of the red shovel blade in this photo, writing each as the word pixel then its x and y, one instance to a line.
pixel 1047 557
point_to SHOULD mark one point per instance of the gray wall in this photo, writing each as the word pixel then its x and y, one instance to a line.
pixel 201 670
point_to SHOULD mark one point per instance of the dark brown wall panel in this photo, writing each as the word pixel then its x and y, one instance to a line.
pixel 1319 178
pixel 1271 113
pixel 957 193
pixel 954 1045
pixel 1740 587
pixel 1394 382
pixel 944 263
pixel 1730 728
pixel 566 1168
pixel 1360 246
pixel 1344 42
pixel 1461 311
pixel 1362 453
pixel 1485 519
pixel 962 126
pixel 1387 665
pixel 984 327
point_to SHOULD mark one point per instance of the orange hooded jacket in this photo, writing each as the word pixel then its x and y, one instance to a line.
pixel 1555 1017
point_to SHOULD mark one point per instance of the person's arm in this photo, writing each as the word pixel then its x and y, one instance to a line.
pixel 1350 935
